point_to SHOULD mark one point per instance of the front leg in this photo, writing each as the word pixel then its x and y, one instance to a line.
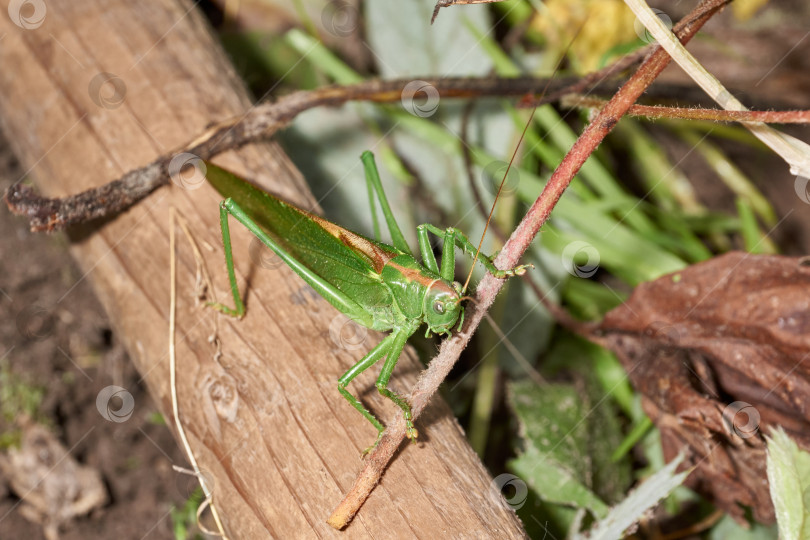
pixel 400 338
pixel 382 349
pixel 457 238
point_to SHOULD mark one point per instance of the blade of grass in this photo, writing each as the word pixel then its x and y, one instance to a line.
pixel 753 237
pixel 731 175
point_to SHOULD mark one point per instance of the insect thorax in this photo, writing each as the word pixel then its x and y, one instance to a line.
pixel 421 294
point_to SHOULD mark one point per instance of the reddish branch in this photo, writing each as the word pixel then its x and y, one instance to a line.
pixel 655 112
pixel 512 251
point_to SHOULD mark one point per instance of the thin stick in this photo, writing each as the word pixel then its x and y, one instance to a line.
pixel 447 3
pixel 261 122
pixel 489 287
pixel 655 112
pixel 173 218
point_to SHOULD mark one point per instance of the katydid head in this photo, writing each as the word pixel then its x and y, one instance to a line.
pixel 442 308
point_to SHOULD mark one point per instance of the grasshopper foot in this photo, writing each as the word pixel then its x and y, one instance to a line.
pixel 516 271
pixel 411 431
pixel 373 446
pixel 222 308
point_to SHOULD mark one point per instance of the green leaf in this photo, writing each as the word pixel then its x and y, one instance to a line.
pixel 322 57
pixel 644 497
pixel 406 44
pixel 569 436
pixel 755 240
pixel 555 483
pixel 789 477
pixel 728 528
pixel 157 419
pixel 605 393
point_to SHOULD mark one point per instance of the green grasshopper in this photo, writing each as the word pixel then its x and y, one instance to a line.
pixel 379 286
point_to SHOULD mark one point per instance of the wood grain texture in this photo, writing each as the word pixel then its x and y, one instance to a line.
pixel 264 419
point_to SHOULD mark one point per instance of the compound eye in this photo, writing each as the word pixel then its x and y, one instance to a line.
pixel 438 307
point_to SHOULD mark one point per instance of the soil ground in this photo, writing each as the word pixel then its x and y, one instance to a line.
pixel 56 337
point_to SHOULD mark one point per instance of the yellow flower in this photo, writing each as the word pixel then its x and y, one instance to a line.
pixel 745 9
pixel 608 23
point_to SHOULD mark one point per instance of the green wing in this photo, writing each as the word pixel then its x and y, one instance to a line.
pixel 346 260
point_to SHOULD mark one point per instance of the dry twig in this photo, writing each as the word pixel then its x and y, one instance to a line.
pixel 655 112
pixel 447 3
pixel 262 122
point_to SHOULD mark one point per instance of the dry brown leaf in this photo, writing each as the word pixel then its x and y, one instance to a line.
pixel 721 353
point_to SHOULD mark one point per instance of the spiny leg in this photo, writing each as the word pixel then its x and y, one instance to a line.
pixel 460 240
pixel 366 362
pixel 332 294
pixel 239 310
pixel 426 250
pixel 400 338
pixel 448 268
pixel 373 179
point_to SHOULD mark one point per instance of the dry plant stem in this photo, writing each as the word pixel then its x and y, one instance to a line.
pixel 655 112
pixel 795 152
pixel 174 219
pixel 263 121
pixel 591 80
pixel 447 3
pixel 695 529
pixel 513 250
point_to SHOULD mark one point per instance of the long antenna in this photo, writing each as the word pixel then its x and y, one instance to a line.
pixel 497 195
pixel 514 154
